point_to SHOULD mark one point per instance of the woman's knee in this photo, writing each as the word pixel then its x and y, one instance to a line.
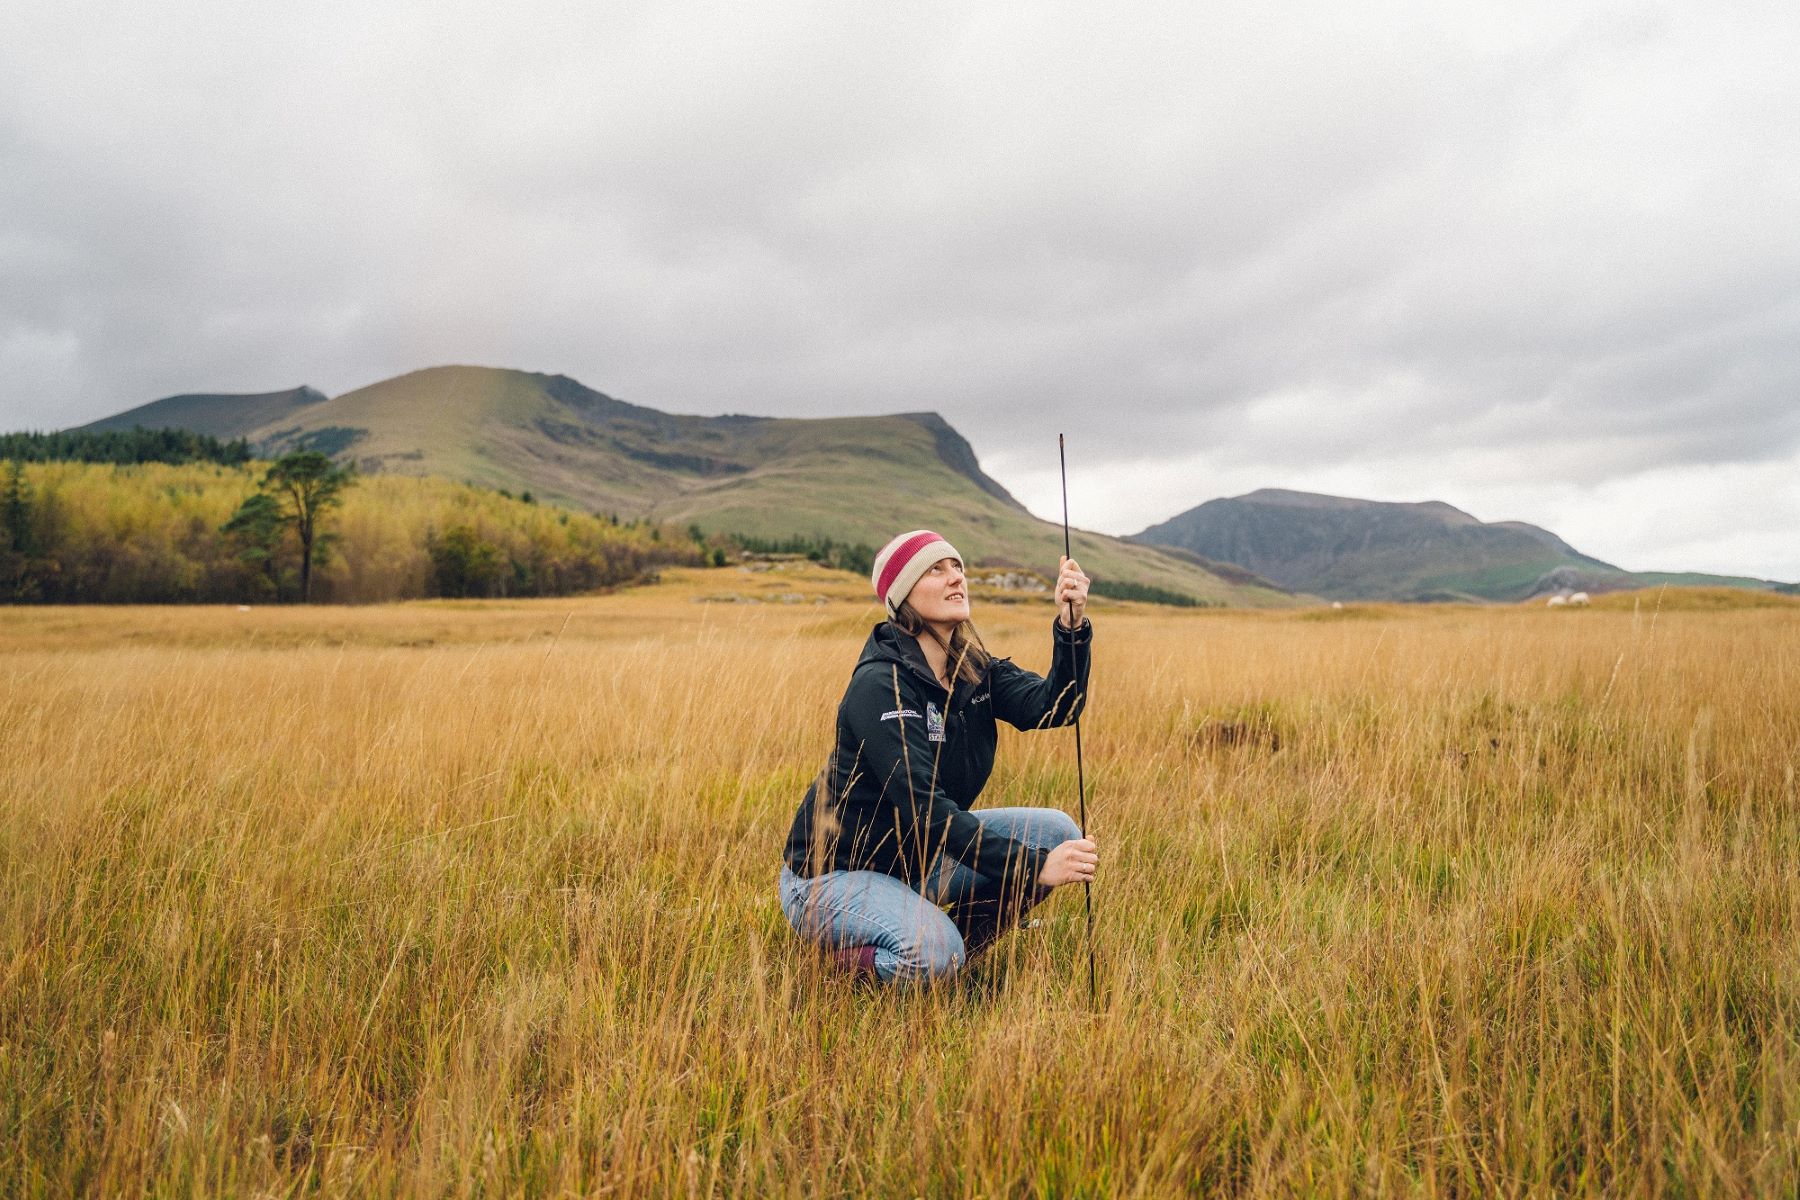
pixel 1056 827
pixel 1045 828
pixel 932 952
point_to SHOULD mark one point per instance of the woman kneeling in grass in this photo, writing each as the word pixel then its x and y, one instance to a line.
pixel 884 839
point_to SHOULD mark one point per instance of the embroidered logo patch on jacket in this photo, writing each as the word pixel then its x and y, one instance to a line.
pixel 898 713
pixel 934 722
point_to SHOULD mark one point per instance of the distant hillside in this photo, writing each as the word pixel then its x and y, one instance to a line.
pixel 849 478
pixel 1348 549
pixel 223 416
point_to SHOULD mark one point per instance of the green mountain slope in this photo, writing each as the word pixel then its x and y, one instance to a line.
pixel 1349 549
pixel 849 478
pixel 223 416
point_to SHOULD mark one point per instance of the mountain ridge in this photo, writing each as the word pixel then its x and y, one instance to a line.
pixel 1346 548
pixel 853 479
pixel 225 415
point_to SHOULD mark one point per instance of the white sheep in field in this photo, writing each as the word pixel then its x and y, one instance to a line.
pixel 1557 601
pixel 1579 599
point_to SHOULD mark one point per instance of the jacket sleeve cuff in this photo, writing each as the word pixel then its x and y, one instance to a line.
pixel 1083 632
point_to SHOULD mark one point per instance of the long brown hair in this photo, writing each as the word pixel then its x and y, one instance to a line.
pixel 968 658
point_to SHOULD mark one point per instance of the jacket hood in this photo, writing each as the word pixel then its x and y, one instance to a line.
pixel 889 644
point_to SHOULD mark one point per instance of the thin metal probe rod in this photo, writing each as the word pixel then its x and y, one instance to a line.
pixel 1087 888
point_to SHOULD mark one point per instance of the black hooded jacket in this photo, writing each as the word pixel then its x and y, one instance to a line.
pixel 911 758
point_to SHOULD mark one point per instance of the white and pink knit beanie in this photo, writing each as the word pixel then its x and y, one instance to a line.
pixel 903 560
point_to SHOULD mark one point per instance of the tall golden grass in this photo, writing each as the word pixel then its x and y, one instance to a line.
pixel 478 899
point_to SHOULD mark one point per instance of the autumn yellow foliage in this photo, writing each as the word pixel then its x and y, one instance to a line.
pixel 150 533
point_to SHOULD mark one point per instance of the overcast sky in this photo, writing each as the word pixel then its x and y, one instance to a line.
pixel 1541 261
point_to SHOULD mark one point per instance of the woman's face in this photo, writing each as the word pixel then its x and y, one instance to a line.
pixel 942 594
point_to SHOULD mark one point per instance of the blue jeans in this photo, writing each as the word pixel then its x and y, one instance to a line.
pixel 915 940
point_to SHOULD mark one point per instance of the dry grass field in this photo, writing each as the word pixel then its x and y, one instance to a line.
pixel 477 898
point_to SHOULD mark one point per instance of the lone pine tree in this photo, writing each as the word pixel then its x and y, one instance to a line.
pixel 297 492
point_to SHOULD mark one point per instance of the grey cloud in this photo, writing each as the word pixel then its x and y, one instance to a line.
pixel 1377 234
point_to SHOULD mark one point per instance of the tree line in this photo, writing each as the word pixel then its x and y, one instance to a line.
pixel 134 445
pixel 855 557
pixel 299 528
pixel 1125 589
